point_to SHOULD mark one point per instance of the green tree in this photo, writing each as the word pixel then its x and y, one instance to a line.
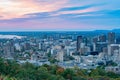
pixel 68 74
pixel 54 77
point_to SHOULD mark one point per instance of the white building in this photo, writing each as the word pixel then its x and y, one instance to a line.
pixel 60 55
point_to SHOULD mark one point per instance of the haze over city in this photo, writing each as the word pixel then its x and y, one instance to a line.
pixel 55 15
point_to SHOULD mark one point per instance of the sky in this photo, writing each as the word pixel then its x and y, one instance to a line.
pixel 59 15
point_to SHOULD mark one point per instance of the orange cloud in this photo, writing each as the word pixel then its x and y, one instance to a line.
pixel 10 9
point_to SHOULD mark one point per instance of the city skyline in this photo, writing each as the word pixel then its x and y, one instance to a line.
pixel 62 15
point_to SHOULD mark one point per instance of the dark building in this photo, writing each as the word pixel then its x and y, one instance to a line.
pixel 85 40
pixel 79 41
pixel 27 46
pixel 94 53
pixel 9 49
pixel 100 46
pixel 111 38
pixel 95 39
pixel 118 40
pixel 102 38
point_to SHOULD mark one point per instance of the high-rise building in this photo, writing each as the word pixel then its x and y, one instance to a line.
pixel 79 41
pixel 111 38
pixel 100 46
pixel 40 46
pixel 112 48
pixel 102 38
pixel 119 53
pixel 27 46
pixel 95 39
pixel 85 40
pixel 60 55
pixel 118 40
pixel 9 49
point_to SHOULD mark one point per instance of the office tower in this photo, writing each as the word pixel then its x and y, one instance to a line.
pixel 116 56
pixel 112 48
pixel 102 38
pixel 118 40
pixel 85 40
pixel 40 45
pixel 119 53
pixel 105 53
pixel 105 50
pixel 84 50
pixel 95 39
pixel 111 38
pixel 60 55
pixel 27 46
pixel 100 46
pixel 79 41
pixel 9 49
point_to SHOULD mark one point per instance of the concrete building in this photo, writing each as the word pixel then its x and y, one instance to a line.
pixel 99 46
pixel 9 49
pixel 111 38
pixel 112 48
pixel 79 41
pixel 102 38
pixel 60 55
pixel 115 69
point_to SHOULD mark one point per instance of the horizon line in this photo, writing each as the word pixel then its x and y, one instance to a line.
pixel 55 30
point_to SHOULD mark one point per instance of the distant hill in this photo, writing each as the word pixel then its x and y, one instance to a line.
pixel 116 30
pixel 105 31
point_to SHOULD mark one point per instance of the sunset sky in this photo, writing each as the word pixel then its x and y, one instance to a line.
pixel 40 15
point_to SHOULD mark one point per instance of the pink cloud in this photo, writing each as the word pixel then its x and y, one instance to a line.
pixel 19 8
pixel 51 24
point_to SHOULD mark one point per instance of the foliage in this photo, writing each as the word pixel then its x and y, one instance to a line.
pixel 14 71
pixel 2 77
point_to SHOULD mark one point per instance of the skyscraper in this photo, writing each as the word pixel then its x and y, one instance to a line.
pixel 95 40
pixel 111 38
pixel 79 41
pixel 85 40
pixel 102 38
pixel 118 40
pixel 112 48
pixel 9 49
